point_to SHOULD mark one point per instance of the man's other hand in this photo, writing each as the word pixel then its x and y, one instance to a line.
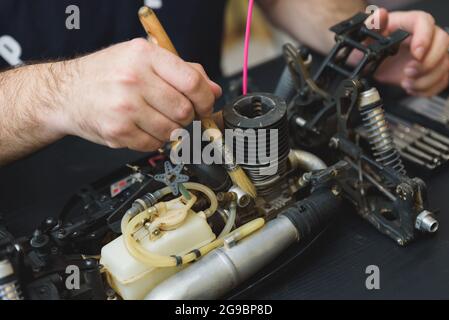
pixel 421 66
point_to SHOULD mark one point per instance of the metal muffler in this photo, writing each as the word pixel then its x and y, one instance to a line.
pixel 225 268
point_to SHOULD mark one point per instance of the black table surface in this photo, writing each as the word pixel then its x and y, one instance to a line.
pixel 333 268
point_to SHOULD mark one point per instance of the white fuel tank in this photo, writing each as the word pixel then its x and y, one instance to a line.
pixel 133 280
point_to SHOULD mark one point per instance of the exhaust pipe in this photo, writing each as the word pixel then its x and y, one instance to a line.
pixel 225 268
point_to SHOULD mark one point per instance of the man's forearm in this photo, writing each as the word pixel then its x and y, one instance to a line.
pixel 308 21
pixel 29 100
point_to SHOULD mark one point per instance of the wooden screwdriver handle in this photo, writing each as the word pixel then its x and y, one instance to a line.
pixel 214 134
pixel 154 28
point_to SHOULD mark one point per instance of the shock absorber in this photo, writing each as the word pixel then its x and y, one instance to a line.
pixel 9 287
pixel 379 135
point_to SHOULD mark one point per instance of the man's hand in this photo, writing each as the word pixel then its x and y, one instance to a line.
pixel 422 65
pixel 133 95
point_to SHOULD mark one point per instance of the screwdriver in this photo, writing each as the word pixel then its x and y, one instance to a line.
pixel 156 31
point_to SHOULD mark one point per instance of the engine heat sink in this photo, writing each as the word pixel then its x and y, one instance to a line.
pixel 259 138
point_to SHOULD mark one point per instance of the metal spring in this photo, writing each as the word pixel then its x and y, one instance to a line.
pixel 380 137
pixel 10 291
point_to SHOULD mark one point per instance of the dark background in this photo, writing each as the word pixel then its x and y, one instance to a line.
pixel 334 266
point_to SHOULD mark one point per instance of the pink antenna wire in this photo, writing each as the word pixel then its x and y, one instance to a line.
pixel 246 49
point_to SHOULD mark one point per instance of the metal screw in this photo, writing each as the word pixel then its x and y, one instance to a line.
pixel 50 221
pixel 90 263
pixel 334 143
pixel 336 190
pixel 61 233
pixel 403 191
pixel 111 295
